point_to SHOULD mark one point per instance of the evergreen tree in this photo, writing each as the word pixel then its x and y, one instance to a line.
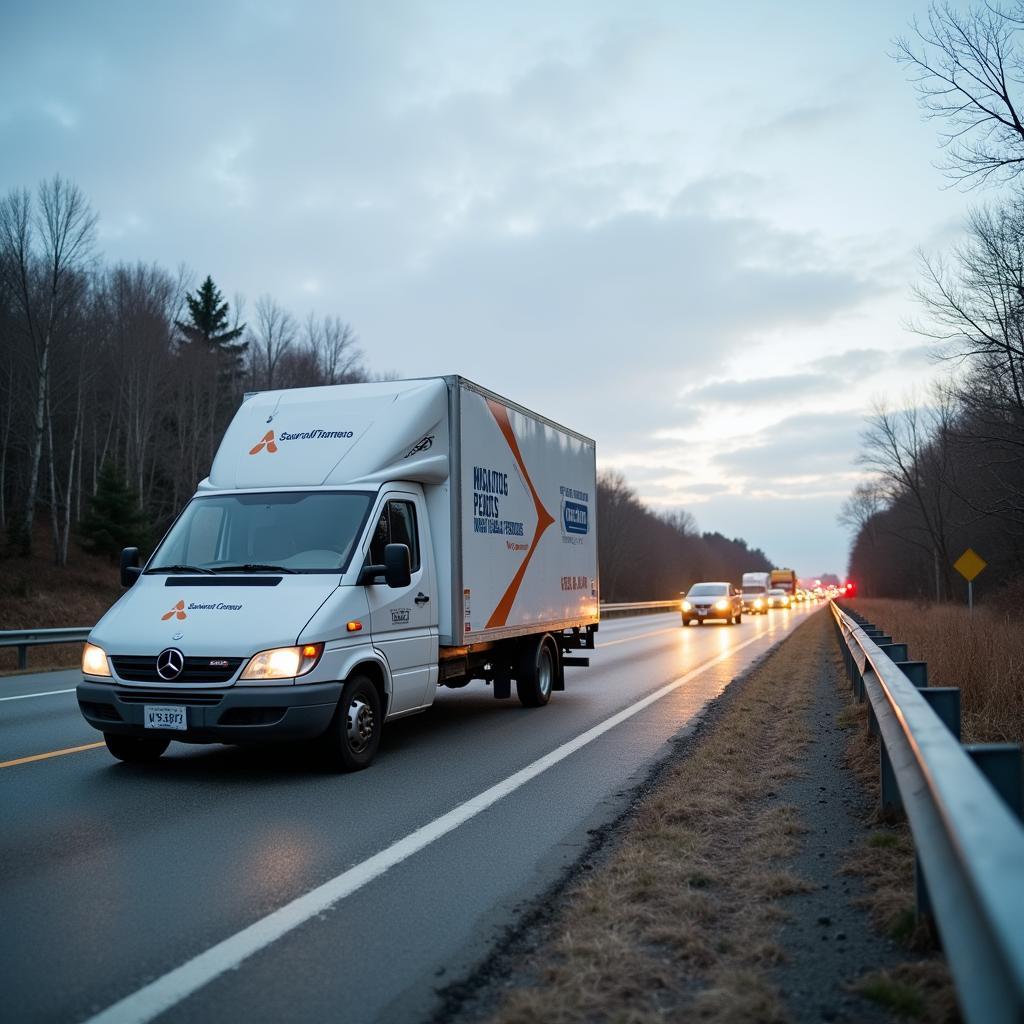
pixel 209 321
pixel 114 520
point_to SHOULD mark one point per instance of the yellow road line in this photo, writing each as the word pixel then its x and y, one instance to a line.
pixel 51 753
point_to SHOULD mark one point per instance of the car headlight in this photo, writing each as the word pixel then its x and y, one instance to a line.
pixel 687 607
pixel 94 661
pixel 283 662
pixel 758 602
pixel 722 605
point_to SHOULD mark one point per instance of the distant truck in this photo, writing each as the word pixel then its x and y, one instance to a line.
pixel 353 548
pixel 784 579
pixel 755 586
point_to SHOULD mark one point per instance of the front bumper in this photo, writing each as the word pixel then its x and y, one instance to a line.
pixel 237 714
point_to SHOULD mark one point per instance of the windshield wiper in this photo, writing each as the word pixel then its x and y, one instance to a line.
pixel 180 568
pixel 253 567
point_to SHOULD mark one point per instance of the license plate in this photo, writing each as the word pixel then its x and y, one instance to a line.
pixel 164 716
pixel 702 611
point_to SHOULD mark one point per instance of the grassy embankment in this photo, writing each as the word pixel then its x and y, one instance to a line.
pixel 982 653
pixel 681 920
pixel 36 594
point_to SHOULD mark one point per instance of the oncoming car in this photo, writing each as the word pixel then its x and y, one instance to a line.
pixel 778 599
pixel 712 601
pixel 755 601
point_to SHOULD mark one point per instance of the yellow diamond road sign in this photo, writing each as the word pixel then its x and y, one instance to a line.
pixel 969 564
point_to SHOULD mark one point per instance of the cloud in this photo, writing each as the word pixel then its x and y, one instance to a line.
pixel 762 390
pixel 809 450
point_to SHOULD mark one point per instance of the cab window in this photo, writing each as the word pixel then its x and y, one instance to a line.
pixel 397 525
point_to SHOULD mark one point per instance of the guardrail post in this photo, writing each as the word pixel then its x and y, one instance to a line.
pixel 897 652
pixel 915 671
pixel 945 702
pixel 892 805
pixel 22 656
pixel 922 901
pixel 1001 764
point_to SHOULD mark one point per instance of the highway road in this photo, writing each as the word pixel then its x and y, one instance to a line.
pixel 227 883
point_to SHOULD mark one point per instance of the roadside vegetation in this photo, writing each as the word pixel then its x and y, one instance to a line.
pixel 945 470
pixel 920 988
pixel 681 920
pixel 982 653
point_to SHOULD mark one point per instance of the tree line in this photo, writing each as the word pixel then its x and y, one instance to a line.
pixel 120 378
pixel 946 470
pixel 647 556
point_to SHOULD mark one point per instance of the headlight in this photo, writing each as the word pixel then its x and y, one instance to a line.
pixel 283 662
pixel 687 607
pixel 94 661
pixel 758 603
pixel 722 605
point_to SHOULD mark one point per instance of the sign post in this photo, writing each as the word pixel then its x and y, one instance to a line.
pixel 969 564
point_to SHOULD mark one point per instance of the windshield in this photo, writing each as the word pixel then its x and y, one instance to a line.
pixel 294 532
pixel 708 590
pixel 754 588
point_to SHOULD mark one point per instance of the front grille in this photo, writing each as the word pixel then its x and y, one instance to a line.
pixel 169 696
pixel 142 669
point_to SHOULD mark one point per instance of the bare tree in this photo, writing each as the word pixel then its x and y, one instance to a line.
pixel 908 451
pixel 968 71
pixel 270 339
pixel 859 510
pixel 46 247
pixel 335 345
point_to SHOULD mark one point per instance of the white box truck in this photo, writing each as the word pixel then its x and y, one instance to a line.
pixel 755 592
pixel 353 548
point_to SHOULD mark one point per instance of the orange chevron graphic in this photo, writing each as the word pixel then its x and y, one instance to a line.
pixel 500 614
pixel 267 441
pixel 177 611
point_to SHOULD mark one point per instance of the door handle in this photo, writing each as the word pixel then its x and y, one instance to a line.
pixel 421 598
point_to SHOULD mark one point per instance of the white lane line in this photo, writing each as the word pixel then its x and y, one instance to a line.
pixel 45 693
pixel 639 636
pixel 153 999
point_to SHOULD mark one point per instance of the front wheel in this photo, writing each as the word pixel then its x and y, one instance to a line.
pixel 535 677
pixel 353 737
pixel 135 749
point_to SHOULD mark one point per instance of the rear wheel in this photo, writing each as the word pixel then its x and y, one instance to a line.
pixel 353 737
pixel 535 677
pixel 135 749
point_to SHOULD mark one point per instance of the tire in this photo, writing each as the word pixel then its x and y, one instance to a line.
pixel 353 737
pixel 135 749
pixel 739 618
pixel 535 676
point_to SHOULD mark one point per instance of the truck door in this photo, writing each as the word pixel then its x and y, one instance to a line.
pixel 404 619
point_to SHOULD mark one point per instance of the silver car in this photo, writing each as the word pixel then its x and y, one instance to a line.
pixel 712 601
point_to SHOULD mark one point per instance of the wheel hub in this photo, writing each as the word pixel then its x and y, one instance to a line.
pixel 360 724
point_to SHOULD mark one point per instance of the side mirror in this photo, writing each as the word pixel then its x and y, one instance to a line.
pixel 395 570
pixel 130 570
pixel 397 566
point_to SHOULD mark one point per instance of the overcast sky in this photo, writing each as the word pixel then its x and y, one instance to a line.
pixel 687 230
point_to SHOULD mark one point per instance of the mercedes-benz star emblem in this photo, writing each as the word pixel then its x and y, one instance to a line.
pixel 169 664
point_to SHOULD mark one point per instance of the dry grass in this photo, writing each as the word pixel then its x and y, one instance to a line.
pixel 682 920
pixel 921 989
pixel 36 594
pixel 982 653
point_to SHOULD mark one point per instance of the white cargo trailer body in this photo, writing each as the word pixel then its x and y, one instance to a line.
pixel 528 539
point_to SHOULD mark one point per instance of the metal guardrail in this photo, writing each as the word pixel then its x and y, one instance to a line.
pixel 23 639
pixel 639 606
pixel 963 804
